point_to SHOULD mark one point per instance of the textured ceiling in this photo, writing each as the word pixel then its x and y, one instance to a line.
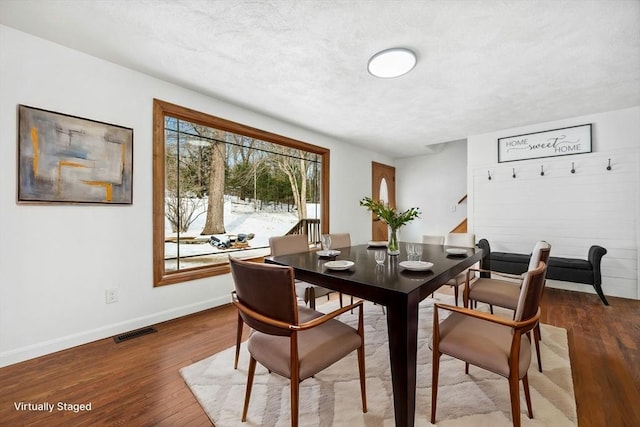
pixel 482 65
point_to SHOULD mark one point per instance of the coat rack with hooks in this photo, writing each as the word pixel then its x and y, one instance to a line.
pixel 554 168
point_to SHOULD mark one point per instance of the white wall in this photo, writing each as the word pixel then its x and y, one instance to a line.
pixel 350 182
pixel 57 261
pixel 434 183
pixel 571 211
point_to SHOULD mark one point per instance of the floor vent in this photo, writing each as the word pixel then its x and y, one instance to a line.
pixel 134 334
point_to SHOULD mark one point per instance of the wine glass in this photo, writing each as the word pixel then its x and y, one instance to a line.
pixel 414 251
pixel 417 251
pixel 411 250
pixel 325 241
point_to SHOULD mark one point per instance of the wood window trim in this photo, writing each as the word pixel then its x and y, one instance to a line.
pixel 162 109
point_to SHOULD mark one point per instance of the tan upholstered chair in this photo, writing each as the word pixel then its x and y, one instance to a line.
pixel 433 239
pixel 265 297
pixel 491 342
pixel 503 290
pixel 340 240
pixel 460 240
pixel 304 315
pixel 291 244
pixel 283 245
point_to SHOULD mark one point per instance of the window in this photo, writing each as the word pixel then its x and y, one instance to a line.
pixel 221 188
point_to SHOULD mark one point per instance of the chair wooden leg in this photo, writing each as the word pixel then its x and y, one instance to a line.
pixel 238 340
pixel 537 328
pixel 536 339
pixel 455 295
pixel 435 369
pixel 491 308
pixel 247 395
pixel 295 394
pixel 363 386
pixel 312 298
pixel 294 378
pixel 527 395
pixel 514 393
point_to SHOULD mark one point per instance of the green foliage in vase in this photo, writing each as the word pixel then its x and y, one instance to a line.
pixel 391 216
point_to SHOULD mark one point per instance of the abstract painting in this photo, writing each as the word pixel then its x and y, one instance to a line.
pixel 67 159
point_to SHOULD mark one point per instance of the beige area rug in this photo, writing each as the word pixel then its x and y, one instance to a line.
pixel 332 398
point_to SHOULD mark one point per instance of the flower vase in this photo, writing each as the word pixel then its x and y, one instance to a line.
pixel 392 246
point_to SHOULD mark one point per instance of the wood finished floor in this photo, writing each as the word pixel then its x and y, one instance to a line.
pixel 136 383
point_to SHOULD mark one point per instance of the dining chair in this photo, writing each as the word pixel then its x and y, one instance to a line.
pixel 503 289
pixel 265 297
pixel 304 315
pixel 343 240
pixel 433 239
pixel 291 244
pixel 491 342
pixel 340 240
pixel 461 240
pixel 284 245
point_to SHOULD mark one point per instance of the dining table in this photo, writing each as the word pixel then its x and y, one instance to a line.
pixel 394 286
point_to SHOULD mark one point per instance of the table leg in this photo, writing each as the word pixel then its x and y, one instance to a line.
pixel 402 323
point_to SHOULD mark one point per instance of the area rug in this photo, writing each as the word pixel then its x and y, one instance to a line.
pixel 332 398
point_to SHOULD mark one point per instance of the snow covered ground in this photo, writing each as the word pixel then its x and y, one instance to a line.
pixel 239 217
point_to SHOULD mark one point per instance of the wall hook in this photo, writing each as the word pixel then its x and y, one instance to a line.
pixel 489 173
pixel 541 170
pixel 609 165
pixel 573 168
pixel 514 172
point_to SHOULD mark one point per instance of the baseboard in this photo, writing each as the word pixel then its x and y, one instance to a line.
pixel 586 288
pixel 62 343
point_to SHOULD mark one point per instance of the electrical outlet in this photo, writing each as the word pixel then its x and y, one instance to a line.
pixel 111 295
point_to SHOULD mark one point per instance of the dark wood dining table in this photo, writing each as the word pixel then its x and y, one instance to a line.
pixel 393 286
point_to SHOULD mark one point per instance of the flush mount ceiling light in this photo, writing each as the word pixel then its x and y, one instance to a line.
pixel 392 62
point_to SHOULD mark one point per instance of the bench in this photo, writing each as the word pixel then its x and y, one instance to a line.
pixel 566 269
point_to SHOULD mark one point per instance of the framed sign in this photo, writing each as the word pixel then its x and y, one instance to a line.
pixel 68 159
pixel 551 143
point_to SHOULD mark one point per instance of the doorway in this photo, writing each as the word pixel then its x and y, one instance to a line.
pixel 383 187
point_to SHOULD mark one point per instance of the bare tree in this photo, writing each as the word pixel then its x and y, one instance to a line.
pixel 292 162
pixel 184 191
pixel 181 212
pixel 214 223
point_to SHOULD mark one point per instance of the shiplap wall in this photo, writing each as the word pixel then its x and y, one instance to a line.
pixel 572 211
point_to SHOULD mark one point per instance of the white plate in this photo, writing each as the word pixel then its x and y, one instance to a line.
pixel 416 265
pixel 377 243
pixel 456 251
pixel 339 264
pixel 330 252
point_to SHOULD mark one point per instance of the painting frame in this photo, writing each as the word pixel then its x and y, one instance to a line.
pixel 66 159
pixel 549 143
